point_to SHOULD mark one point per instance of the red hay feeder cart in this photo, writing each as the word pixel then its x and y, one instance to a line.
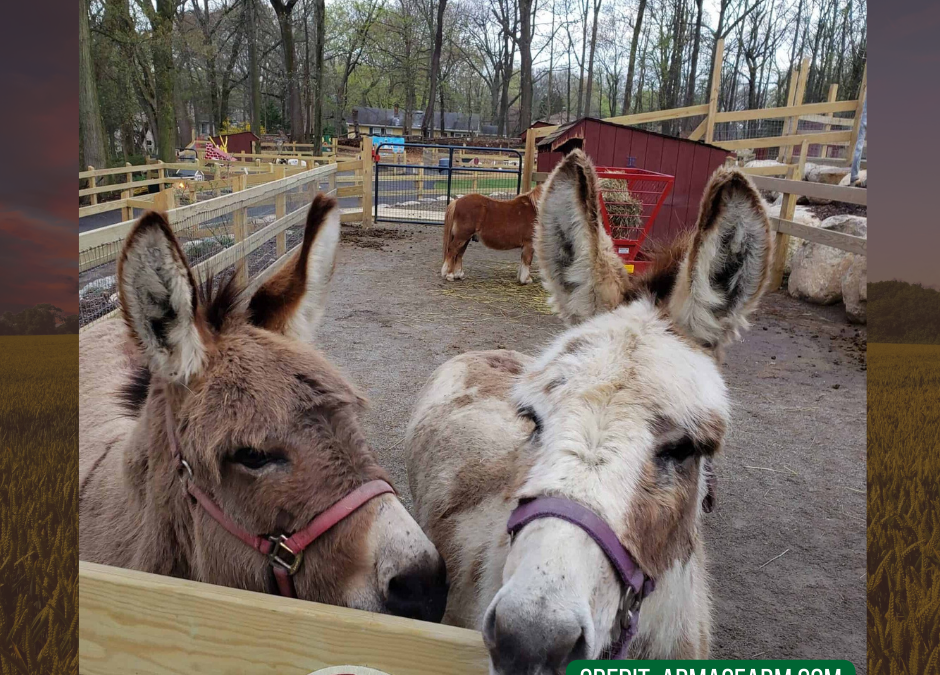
pixel 629 209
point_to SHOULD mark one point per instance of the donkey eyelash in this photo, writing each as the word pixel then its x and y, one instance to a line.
pixel 254 460
pixel 529 414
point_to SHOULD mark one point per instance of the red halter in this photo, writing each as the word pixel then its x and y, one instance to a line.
pixel 284 553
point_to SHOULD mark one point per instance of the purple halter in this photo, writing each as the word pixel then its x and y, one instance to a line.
pixel 637 585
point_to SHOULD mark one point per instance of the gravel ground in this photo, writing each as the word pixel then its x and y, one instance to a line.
pixel 787 539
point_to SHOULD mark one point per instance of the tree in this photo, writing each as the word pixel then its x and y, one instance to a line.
pixel 631 69
pixel 283 12
pixel 89 114
pixel 427 124
pixel 319 8
pixel 590 77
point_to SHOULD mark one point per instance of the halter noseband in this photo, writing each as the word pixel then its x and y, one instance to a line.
pixel 285 553
pixel 637 585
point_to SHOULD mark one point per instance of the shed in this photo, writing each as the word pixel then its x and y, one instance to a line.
pixel 237 142
pixel 609 144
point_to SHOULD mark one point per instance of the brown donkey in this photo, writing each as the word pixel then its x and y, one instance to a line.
pixel 216 444
pixel 566 491
pixel 500 224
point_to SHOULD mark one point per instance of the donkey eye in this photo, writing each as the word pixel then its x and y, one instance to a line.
pixel 529 414
pixel 678 451
pixel 253 459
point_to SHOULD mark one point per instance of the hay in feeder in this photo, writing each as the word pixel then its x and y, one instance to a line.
pixel 625 210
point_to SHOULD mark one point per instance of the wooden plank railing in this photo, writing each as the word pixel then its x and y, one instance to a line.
pixel 132 622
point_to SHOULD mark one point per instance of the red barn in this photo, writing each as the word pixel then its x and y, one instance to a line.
pixel 238 142
pixel 608 144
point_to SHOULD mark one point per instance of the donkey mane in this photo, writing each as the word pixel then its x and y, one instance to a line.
pixel 222 301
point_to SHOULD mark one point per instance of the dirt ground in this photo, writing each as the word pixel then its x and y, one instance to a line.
pixel 786 541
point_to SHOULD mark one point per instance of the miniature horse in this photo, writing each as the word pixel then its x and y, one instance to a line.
pixel 566 491
pixel 500 224
pixel 210 431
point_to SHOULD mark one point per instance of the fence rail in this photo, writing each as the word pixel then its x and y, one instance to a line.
pixel 190 627
pixel 255 225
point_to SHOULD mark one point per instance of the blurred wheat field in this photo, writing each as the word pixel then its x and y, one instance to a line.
pixel 39 504
pixel 903 518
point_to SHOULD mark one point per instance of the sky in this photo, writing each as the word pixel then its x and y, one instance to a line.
pixel 904 102
pixel 39 127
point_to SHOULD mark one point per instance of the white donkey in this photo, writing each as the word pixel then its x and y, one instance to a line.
pixel 566 491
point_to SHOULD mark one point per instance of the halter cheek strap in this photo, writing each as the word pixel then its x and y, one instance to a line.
pixel 637 585
pixel 284 553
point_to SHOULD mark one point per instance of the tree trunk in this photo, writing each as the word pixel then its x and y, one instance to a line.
pixel 590 77
pixel 283 11
pixel 631 69
pixel 427 124
pixel 693 66
pixel 89 113
pixel 165 79
pixel 525 52
pixel 254 74
pixel 318 88
pixel 583 54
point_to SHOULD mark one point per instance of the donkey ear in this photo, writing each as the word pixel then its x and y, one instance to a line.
pixel 159 300
pixel 583 274
pixel 292 301
pixel 727 266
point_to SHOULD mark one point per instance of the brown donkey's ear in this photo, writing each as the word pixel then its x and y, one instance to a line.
pixel 159 300
pixel 292 301
pixel 577 259
pixel 727 266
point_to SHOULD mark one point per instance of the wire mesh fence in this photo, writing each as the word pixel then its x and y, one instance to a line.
pixel 218 234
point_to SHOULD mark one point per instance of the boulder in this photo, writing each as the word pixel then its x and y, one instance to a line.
pixel 861 181
pixel 758 163
pixel 827 175
pixel 801 215
pixel 855 289
pixel 816 270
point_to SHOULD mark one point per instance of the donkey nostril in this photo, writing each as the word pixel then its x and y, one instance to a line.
pixel 517 644
pixel 419 593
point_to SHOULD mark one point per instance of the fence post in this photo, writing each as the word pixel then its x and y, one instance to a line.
pixel 92 183
pixel 280 210
pixel 787 209
pixel 833 95
pixel 856 127
pixel 161 174
pixel 126 212
pixel 367 172
pixel 528 161
pixel 714 91
pixel 239 227
pixel 792 124
pixel 164 200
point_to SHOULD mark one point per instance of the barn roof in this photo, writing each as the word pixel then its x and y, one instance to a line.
pixel 567 132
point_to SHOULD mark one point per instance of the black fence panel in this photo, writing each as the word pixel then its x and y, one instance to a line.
pixel 420 193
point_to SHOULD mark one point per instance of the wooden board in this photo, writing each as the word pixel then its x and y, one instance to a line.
pixel 131 622
pixel 843 242
pixel 775 141
pixel 788 111
pixel 837 193
pixel 781 170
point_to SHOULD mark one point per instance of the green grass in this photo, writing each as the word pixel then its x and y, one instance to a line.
pixel 39 504
pixel 903 520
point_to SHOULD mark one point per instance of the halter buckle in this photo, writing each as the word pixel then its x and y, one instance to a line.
pixel 629 606
pixel 277 555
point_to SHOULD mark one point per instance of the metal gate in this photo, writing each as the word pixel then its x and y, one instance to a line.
pixel 420 193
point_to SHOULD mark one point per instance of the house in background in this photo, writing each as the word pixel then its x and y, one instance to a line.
pixel 390 122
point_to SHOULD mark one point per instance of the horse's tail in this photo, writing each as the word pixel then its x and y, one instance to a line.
pixel 449 226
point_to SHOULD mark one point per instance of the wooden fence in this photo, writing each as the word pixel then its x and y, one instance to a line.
pixel 131 622
pixel 99 248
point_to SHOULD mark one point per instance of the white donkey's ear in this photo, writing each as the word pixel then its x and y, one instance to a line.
pixel 159 300
pixel 576 256
pixel 727 266
pixel 293 300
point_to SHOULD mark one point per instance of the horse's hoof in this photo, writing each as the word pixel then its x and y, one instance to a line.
pixel 449 277
pixel 526 281
pixel 459 275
